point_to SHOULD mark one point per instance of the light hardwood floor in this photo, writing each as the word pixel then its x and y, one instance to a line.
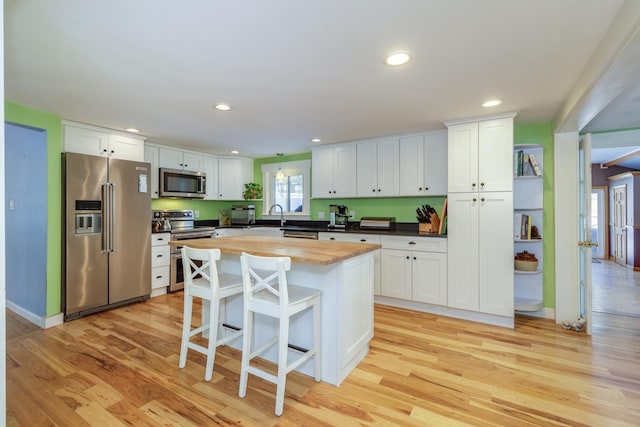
pixel 615 289
pixel 120 367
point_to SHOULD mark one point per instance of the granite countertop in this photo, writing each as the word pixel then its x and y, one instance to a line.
pixel 319 252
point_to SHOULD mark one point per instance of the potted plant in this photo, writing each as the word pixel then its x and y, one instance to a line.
pixel 252 191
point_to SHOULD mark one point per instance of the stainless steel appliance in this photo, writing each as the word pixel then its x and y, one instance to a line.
pixel 107 257
pixel 338 216
pixel 300 234
pixel 180 183
pixel 243 214
pixel 182 224
pixel 377 223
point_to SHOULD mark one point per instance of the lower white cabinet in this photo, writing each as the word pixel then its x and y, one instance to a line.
pixel 359 238
pixel 414 268
pixel 160 262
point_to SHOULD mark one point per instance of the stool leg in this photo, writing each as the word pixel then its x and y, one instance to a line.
pixel 247 339
pixel 283 349
pixel 317 339
pixel 214 309
pixel 186 329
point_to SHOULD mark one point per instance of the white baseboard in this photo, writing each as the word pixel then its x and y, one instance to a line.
pixel 42 322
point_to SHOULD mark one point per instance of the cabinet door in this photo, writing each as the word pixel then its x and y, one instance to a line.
pixel 192 162
pixel 210 168
pixel 495 251
pixel 151 157
pixel 367 169
pixel 126 148
pixel 322 173
pixel 495 155
pixel 430 277
pixel 85 141
pixel 435 164
pixel 344 172
pixel 387 168
pixel 462 240
pixel 463 157
pixel 412 168
pixel 395 277
pixel 169 158
pixel 229 179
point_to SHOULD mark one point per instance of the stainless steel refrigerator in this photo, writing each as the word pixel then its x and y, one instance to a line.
pixel 107 256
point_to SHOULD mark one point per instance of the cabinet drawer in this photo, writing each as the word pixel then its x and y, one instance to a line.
pixel 160 256
pixel 349 237
pixel 160 239
pixel 418 243
pixel 159 277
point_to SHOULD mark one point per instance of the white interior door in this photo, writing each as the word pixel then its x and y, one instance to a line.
pixel 585 243
pixel 620 223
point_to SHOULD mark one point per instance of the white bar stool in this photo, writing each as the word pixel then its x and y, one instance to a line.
pixel 201 280
pixel 266 292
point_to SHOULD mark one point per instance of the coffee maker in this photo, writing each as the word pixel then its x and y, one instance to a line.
pixel 338 216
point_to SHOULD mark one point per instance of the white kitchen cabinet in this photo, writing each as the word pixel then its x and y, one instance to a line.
pixel 414 268
pixel 334 172
pixel 480 155
pixel 423 165
pixel 210 168
pixel 480 251
pixel 528 202
pixel 151 154
pixel 96 141
pixel 228 232
pixel 377 168
pixel 230 178
pixel 359 238
pixel 160 263
pixel 182 160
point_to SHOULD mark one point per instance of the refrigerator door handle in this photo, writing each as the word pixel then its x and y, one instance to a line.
pixel 112 219
pixel 105 216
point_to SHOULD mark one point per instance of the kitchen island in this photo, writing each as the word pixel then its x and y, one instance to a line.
pixel 343 271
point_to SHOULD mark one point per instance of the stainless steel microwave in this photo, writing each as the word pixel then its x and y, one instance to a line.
pixel 180 183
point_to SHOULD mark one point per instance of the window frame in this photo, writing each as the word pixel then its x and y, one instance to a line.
pixel 296 167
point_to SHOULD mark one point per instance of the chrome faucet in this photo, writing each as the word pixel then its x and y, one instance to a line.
pixel 282 220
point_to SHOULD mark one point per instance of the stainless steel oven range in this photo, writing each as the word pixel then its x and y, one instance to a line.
pixel 182 227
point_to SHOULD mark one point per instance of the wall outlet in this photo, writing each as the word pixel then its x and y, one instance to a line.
pixel 196 213
pixel 352 214
pixel 321 215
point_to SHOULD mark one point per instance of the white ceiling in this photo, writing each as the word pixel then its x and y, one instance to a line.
pixel 297 69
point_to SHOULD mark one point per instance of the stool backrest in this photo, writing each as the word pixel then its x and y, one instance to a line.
pixel 200 265
pixel 267 276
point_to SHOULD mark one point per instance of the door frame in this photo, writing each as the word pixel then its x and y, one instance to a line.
pixel 603 218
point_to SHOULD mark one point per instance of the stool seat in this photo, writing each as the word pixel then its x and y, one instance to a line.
pixel 267 292
pixel 202 280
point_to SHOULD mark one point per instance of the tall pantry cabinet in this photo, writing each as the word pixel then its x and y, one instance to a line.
pixel 480 216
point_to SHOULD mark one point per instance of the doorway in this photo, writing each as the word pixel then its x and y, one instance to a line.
pixel 620 224
pixel 600 222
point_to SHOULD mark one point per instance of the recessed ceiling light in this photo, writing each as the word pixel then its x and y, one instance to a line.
pixel 316 140
pixel 395 59
pixel 492 103
pixel 235 152
pixel 132 130
pixel 223 107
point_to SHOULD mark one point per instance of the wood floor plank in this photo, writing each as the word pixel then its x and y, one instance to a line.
pixel 120 367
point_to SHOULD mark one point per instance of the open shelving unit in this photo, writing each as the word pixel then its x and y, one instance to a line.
pixel 528 202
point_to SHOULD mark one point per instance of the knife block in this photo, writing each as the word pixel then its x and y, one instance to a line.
pixel 432 227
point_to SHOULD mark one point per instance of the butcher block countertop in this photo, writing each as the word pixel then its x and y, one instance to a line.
pixel 320 252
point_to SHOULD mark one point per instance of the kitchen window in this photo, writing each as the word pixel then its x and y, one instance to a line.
pixel 288 185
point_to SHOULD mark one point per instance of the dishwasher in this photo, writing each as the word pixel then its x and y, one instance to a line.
pixel 299 234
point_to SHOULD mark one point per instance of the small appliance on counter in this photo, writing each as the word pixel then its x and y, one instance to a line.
pixel 377 223
pixel 243 214
pixel 338 216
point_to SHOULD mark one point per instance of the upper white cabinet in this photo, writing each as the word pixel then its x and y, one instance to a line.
pixel 423 165
pixel 480 155
pixel 151 156
pixel 334 172
pixel 377 168
pixel 96 141
pixel 210 168
pixel 233 173
pixel 176 159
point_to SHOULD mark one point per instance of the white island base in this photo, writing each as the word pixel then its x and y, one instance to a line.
pixel 346 307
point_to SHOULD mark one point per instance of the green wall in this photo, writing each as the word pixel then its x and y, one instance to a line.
pixel 402 208
pixel 543 134
pixel 53 126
